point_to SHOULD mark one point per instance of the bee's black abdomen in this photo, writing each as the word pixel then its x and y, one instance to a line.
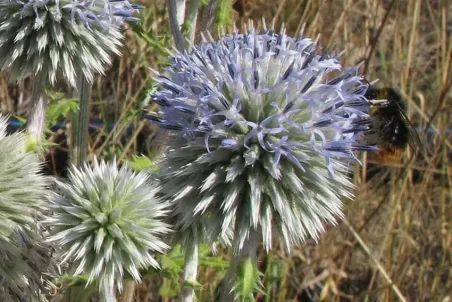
pixel 391 130
pixel 397 133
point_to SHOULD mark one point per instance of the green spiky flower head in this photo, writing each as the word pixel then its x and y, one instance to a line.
pixel 60 38
pixel 22 192
pixel 107 221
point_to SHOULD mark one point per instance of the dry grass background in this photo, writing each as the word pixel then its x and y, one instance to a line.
pixel 397 241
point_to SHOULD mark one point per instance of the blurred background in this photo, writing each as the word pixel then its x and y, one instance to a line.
pixel 397 243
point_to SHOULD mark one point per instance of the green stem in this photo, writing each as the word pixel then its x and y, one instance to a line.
pixel 80 123
pixel 37 115
pixel 190 272
pixel 269 279
pixel 239 271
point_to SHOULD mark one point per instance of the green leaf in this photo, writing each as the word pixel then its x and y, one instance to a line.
pixel 225 11
pixel 80 293
pixel 248 280
pixel 169 289
pixel 60 106
pixel 142 162
pixel 31 144
pixel 192 284
pixel 21 119
pixel 214 262
pixel 137 27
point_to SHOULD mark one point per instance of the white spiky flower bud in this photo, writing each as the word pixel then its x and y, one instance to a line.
pixel 22 192
pixel 107 221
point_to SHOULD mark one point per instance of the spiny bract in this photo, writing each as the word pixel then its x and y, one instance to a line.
pixel 22 192
pixel 60 38
pixel 107 221
pixel 263 128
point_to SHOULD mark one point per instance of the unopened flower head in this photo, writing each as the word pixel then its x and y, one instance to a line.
pixel 26 266
pixel 22 192
pixel 60 37
pixel 264 127
pixel 107 222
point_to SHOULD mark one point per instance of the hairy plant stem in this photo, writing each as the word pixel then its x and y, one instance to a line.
pixel 190 272
pixel 174 17
pixel 129 291
pixel 37 114
pixel 80 123
pixel 248 251
pixel 208 17
pixel 192 18
pixel 180 12
pixel 107 294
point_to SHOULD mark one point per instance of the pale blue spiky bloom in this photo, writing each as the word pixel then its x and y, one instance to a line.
pixel 60 37
pixel 22 192
pixel 264 126
pixel 107 222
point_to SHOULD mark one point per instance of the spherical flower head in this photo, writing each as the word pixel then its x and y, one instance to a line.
pixel 60 38
pixel 26 266
pixel 22 192
pixel 264 126
pixel 107 221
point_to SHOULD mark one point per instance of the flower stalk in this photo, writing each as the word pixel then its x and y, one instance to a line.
pixel 37 114
pixel 128 292
pixel 175 15
pixel 190 273
pixel 242 279
pixel 107 294
pixel 208 17
pixel 192 17
pixel 80 122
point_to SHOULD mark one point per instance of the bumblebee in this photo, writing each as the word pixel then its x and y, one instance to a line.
pixel 392 131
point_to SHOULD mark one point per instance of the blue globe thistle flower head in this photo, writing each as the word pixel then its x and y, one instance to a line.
pixel 263 129
pixel 107 222
pixel 60 37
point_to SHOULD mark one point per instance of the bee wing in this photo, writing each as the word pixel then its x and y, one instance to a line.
pixel 413 139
